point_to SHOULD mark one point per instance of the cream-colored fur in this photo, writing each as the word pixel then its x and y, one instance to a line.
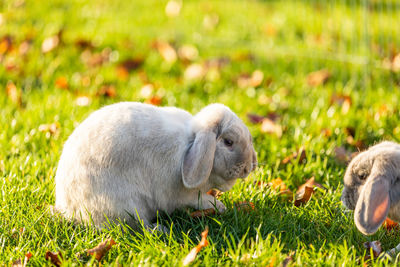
pixel 131 159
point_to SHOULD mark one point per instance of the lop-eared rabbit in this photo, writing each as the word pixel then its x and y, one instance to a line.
pixel 132 159
pixel 372 187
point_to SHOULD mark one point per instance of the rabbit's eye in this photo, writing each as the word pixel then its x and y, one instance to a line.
pixel 362 176
pixel 228 142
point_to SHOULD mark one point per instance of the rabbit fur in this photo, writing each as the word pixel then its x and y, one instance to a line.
pixel 372 186
pixel 130 160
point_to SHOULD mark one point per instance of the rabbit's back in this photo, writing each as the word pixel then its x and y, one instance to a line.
pixel 118 158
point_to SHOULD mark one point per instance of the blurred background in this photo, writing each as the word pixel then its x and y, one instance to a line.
pixel 308 66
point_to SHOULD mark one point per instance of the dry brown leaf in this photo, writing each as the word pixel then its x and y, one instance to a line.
pixel 54 257
pixel 166 51
pixel 194 72
pixel 319 77
pixel 202 213
pixel 344 101
pixel 83 101
pixel 288 259
pixel 214 192
pixel 254 118
pixel 50 43
pixel 376 249
pixel 52 128
pixel 188 53
pixel 84 44
pixel 269 126
pixel 14 94
pixel 131 64
pixel 303 196
pixel 299 155
pixel 19 263
pixel 311 183
pixel 173 8
pixel 108 91
pixel 101 249
pixel 253 80
pixel 193 253
pixel 278 184
pixel 388 224
pixel 62 83
pixel 244 206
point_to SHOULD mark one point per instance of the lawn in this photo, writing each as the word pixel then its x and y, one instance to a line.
pixel 61 60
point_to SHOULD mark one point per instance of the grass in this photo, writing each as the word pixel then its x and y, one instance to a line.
pixel 286 40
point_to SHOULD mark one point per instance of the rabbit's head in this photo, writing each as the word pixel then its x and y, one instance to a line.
pixel 221 150
pixel 372 186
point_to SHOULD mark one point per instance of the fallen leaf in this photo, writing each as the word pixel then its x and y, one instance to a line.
pixel 107 91
pixel 194 72
pixel 14 94
pixel 54 257
pixel 269 126
pixel 299 155
pixel 96 59
pixel 147 90
pixel 376 249
pixel 193 253
pixel 202 213
pixel 244 206
pixel 344 101
pixel 5 44
pixel 253 80
pixel 288 259
pixel 319 77
pixel 155 100
pixel 131 64
pixel 19 263
pixel 24 47
pixel 217 62
pixel 326 132
pixel 101 249
pixel 188 53
pixel 62 83
pixel 83 101
pixel 310 183
pixel 303 196
pixel 173 8
pixel 84 44
pixel 254 118
pixel 166 51
pixel 388 224
pixel 50 43
pixel 278 184
pixel 214 192
pixel 51 128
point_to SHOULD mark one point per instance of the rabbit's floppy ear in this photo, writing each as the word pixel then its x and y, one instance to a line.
pixel 199 159
pixel 373 204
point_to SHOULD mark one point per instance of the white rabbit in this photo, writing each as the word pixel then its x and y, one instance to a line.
pixel 372 187
pixel 130 159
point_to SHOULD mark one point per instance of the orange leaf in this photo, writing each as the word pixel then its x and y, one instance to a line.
pixel 317 78
pixel 54 257
pixel 14 94
pixel 155 100
pixel 166 51
pixel 388 224
pixel 310 183
pixel 214 192
pixel 50 43
pixel 101 249
pixel 281 186
pixel 107 91
pixel 62 83
pixel 193 253
pixel 342 100
pixel 51 128
pixel 269 126
pixel 299 155
pixel 19 263
pixel 303 196
pixel 202 213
